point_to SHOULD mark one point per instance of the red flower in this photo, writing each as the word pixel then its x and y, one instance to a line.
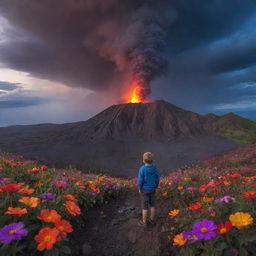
pixel 11 187
pixel 249 194
pixel 224 228
pixel 234 175
pixel 44 168
pixel 195 206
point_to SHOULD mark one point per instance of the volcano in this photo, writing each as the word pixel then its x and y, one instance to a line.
pixel 113 141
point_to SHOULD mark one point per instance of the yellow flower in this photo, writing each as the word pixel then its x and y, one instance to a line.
pixel 31 202
pixel 179 240
pixel 174 213
pixel 241 219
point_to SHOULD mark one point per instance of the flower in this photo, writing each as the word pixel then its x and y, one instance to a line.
pixel 44 168
pixel 164 194
pixel 31 202
pixel 46 238
pixel 48 197
pixel 13 231
pixel 16 211
pixel 11 187
pixel 72 208
pixel 34 170
pixel 26 191
pixel 179 240
pixel 195 206
pixel 204 229
pixel 180 187
pixel 60 184
pixel 70 197
pixel 225 199
pixel 224 228
pixel 51 216
pixel 174 213
pixel 206 199
pixel 80 184
pixel 249 194
pixel 64 227
pixel 241 219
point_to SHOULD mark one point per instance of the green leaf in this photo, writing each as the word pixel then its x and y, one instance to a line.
pixel 243 252
pixel 65 249
pixel 53 252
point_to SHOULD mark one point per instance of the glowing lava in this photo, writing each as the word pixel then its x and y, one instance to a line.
pixel 136 95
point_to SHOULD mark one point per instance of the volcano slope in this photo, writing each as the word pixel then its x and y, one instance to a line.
pixel 113 141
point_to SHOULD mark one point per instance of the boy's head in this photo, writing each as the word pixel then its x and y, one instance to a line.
pixel 148 158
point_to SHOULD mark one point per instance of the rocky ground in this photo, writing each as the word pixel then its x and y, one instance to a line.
pixel 112 230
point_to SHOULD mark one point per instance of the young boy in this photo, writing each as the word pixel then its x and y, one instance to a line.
pixel 148 180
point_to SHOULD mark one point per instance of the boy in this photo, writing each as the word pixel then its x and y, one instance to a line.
pixel 148 181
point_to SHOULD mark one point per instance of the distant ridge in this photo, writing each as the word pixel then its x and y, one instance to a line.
pixel 113 140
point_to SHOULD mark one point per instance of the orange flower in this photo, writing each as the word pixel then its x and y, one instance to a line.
pixel 70 197
pixel 179 240
pixel 226 183
pixel 39 184
pixel 180 187
pixel 195 206
pixel 164 194
pixel 46 238
pixel 80 184
pixel 174 213
pixel 26 191
pixel 234 175
pixel 51 216
pixel 213 214
pixel 16 211
pixel 93 187
pixel 250 194
pixel 206 199
pixel 64 227
pixel 72 208
pixel 31 202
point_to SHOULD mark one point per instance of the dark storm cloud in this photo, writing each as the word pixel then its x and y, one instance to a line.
pixel 93 43
pixel 7 86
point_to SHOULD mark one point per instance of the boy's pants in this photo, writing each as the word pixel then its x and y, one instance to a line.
pixel 147 199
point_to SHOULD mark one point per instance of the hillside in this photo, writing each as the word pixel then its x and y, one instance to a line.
pixel 233 127
pixel 114 140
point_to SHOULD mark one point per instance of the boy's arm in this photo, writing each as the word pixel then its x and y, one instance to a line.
pixel 157 178
pixel 140 179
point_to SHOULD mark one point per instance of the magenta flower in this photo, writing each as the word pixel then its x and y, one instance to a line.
pixel 13 231
pixel 60 184
pixel 204 230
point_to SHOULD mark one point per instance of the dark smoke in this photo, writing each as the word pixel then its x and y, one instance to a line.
pixel 91 43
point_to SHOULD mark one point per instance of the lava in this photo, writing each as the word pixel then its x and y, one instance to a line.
pixel 136 94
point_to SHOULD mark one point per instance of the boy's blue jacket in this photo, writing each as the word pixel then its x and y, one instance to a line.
pixel 148 178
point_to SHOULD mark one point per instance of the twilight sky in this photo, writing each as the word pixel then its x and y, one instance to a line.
pixel 65 60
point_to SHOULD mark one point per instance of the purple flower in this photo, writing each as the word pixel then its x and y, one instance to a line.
pixel 204 229
pixel 48 196
pixel 225 199
pixel 186 234
pixel 13 231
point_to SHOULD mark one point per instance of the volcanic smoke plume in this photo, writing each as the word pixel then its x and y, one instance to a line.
pixel 97 44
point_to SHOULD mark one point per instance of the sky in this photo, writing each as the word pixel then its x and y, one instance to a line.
pixel 66 60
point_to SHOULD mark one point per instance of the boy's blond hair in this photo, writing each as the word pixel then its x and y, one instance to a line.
pixel 148 157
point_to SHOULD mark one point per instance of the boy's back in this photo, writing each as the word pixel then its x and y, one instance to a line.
pixel 148 178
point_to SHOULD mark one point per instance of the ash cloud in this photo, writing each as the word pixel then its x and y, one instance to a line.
pixel 99 45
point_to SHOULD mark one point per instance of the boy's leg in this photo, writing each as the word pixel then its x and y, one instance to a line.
pixel 152 213
pixel 144 215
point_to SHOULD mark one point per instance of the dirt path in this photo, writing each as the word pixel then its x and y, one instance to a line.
pixel 112 230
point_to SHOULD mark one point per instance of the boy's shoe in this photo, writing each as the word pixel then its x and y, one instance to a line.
pixel 152 222
pixel 142 224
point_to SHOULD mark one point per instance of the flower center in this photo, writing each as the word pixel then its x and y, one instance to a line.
pixel 49 218
pixel 223 230
pixel 12 232
pixel 47 238
pixel 204 230
pixel 61 228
